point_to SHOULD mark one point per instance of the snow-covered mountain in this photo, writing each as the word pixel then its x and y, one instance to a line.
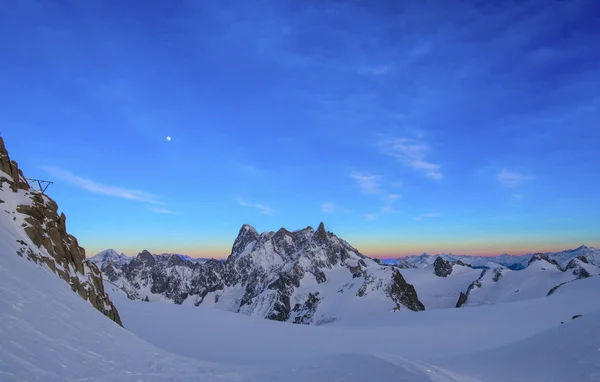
pixel 592 255
pixel 542 276
pixel 304 276
pixel 110 255
pixel 280 276
pixel 31 227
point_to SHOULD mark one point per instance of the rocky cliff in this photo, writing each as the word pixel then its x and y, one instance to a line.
pixel 41 233
pixel 306 276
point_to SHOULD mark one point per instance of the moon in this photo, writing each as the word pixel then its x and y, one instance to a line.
pixel 168 138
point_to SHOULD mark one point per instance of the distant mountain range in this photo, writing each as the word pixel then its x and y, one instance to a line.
pixel 299 276
pixel 314 277
pixel 508 261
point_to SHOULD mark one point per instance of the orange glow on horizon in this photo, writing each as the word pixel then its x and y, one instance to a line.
pixel 375 251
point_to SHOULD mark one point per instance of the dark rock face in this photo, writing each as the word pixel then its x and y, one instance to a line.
pixel 403 293
pixel 464 297
pixel 577 270
pixel 268 268
pixel 11 168
pixel 246 236
pixel 47 231
pixel 555 288
pixel 459 262
pixel 442 268
pixel 305 312
pixel 543 257
pixel 497 275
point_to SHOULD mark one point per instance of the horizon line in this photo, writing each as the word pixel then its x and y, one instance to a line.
pixel 375 256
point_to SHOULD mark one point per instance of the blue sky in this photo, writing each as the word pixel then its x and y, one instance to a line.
pixel 464 127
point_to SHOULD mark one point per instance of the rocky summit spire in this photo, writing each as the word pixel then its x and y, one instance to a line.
pixel 321 234
pixel 246 236
pixel 11 168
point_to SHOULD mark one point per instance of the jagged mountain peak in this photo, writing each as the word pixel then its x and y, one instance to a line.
pixel 321 233
pixel 109 255
pixel 543 257
pixel 246 235
pixel 277 275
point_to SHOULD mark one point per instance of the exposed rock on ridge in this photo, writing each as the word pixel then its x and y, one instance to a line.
pixel 442 268
pixel 50 243
pixel 284 276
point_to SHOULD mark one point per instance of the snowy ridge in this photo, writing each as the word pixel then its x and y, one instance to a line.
pixel 30 227
pixel 513 262
pixel 303 276
pixel 540 278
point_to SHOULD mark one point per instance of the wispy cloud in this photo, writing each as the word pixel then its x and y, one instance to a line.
pixel 369 184
pixel 328 207
pixel 512 178
pixel 428 216
pixel 392 197
pixel 159 210
pixel 102 189
pixel 411 153
pixel 261 208
pixel 387 208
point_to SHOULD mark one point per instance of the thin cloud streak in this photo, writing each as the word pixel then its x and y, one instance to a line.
pixel 369 184
pixel 512 178
pixel 102 189
pixel 261 208
pixel 412 154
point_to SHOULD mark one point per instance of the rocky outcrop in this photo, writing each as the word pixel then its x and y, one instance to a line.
pixel 17 181
pixel 263 276
pixel 442 267
pixel 576 267
pixel 554 289
pixel 544 257
pixel 464 297
pixel 403 293
pixel 497 274
pixel 305 312
pixel 50 243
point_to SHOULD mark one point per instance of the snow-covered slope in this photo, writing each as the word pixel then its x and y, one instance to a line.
pixel 514 262
pixel 592 255
pixel 541 275
pixel 31 227
pixel 450 337
pixel 437 292
pixel 48 333
pixel 569 352
pixel 304 276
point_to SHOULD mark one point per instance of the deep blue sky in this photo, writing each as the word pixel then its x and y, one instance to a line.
pixel 457 126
